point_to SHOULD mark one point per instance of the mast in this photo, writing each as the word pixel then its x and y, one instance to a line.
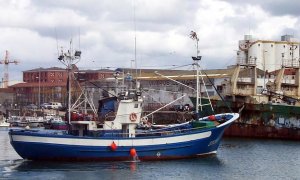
pixel 69 59
pixel 196 60
pixel 135 60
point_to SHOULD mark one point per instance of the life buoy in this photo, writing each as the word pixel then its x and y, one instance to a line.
pixel 133 117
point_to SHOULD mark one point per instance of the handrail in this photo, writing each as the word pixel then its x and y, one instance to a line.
pixel 161 133
pixel 187 129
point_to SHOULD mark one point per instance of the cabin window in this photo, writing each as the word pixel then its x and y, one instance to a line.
pixel 271 45
pixel 136 105
pixel 283 46
pixel 258 45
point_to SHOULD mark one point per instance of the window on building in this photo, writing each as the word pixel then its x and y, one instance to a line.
pixel 219 89
pixel 211 93
pixel 169 88
pixel 209 87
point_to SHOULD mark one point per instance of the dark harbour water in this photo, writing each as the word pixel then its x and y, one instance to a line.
pixel 236 159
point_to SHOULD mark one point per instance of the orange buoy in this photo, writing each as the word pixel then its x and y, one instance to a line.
pixel 113 146
pixel 212 117
pixel 132 152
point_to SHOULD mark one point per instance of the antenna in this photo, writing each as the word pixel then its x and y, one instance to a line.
pixel 79 37
pixel 134 20
pixel 56 41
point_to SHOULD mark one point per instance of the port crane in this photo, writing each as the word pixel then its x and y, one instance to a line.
pixel 6 61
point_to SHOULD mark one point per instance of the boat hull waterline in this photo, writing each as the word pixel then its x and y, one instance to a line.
pixel 32 145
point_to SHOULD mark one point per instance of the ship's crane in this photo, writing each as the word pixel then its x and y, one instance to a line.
pixel 6 61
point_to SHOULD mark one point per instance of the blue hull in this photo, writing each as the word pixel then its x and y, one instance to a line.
pixel 59 151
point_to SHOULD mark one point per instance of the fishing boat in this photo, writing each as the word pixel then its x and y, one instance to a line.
pixel 123 138
pixel 124 134
pixel 55 122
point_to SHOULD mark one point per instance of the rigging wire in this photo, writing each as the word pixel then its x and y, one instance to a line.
pixel 179 66
pixel 218 92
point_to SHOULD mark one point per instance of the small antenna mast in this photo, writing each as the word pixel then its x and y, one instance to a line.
pixel 79 37
pixel 134 20
pixel 56 42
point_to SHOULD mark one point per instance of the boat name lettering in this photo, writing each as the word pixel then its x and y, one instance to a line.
pixel 212 142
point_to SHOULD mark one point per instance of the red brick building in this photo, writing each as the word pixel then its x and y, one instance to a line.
pixel 49 84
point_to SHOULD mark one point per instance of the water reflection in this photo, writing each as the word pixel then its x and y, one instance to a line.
pixel 62 170
pixel 26 165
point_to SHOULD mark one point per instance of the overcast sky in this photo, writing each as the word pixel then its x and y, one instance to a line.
pixel 31 30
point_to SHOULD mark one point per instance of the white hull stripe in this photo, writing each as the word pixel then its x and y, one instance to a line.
pixel 107 142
